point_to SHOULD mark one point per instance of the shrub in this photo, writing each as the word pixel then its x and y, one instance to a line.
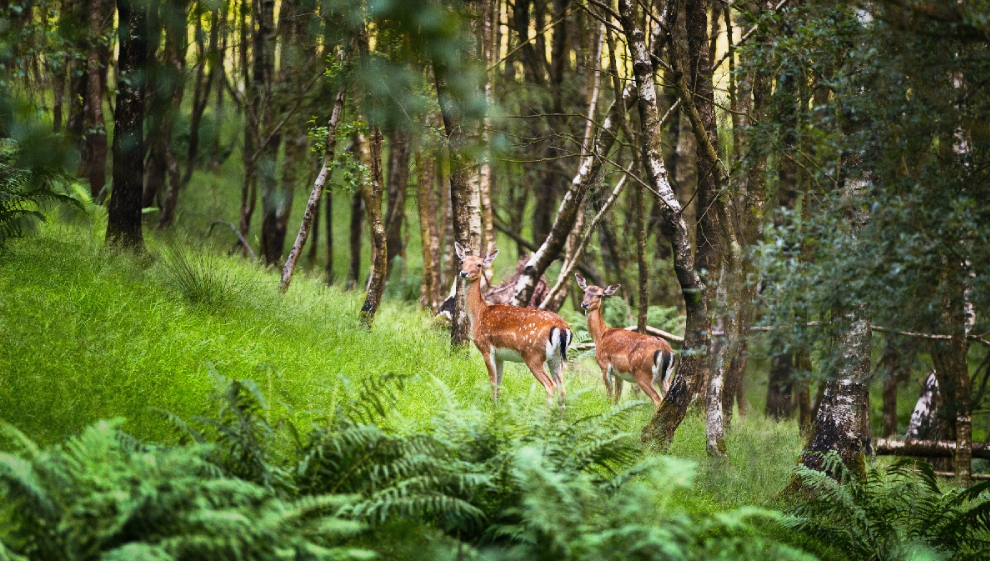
pixel 898 512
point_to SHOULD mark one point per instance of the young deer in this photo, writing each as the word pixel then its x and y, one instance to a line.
pixel 502 333
pixel 630 356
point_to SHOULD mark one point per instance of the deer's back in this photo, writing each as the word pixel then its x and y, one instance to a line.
pixel 510 327
pixel 627 350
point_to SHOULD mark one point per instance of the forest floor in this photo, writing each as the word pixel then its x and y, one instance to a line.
pixel 86 334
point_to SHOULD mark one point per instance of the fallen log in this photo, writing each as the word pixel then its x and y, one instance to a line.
pixel 952 475
pixel 925 448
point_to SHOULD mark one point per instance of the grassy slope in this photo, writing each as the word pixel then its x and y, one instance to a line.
pixel 86 334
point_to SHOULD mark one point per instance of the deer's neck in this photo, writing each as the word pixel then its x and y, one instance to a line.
pixel 596 325
pixel 475 301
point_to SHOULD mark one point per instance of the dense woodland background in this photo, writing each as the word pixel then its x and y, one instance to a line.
pixel 794 192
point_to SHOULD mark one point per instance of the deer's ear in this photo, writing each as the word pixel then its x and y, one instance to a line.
pixel 490 257
pixel 612 289
pixel 459 250
pixel 581 282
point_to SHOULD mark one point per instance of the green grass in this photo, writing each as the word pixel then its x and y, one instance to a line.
pixel 88 334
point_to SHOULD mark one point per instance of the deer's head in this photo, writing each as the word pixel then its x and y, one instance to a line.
pixel 593 295
pixel 472 266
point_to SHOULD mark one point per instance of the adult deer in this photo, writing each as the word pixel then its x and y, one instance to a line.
pixel 537 338
pixel 625 355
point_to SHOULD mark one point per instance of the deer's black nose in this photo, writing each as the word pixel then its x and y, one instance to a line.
pixel 463 274
pixel 583 305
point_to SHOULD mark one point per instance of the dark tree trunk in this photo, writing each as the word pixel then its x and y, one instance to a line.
pixel 170 87
pixel 357 225
pixel 779 399
pixel 432 288
pixel 330 276
pixel 398 184
pixel 895 367
pixel 124 208
pixel 269 144
pixel 94 161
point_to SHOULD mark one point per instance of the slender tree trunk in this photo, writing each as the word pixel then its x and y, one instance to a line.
pixel 642 265
pixel 895 367
pixel 124 207
pixel 173 74
pixel 432 288
pixel 398 185
pixel 201 91
pixel 489 24
pixel 464 197
pixel 312 205
pixel 272 195
pixel 95 134
pixel 371 193
pixel 330 276
pixel 448 264
pixel 251 108
pixel 952 370
pixel 357 222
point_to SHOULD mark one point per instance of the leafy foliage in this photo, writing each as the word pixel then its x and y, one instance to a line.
pixel 519 484
pixel 103 495
pixel 21 200
pixel 898 512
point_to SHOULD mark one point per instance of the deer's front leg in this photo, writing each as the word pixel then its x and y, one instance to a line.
pixel 606 377
pixel 494 377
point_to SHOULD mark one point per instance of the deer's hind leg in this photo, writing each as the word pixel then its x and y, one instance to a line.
pixel 535 365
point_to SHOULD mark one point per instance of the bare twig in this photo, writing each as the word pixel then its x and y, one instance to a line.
pixel 240 237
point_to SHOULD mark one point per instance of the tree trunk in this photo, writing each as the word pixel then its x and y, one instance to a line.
pixel 371 193
pixel 170 87
pixel 398 184
pixel 660 431
pixel 952 370
pixel 331 277
pixel 95 134
pixel 251 107
pixel 124 208
pixel 464 196
pixel 838 423
pixel 201 91
pixel 432 287
pixel 357 225
pixel 273 194
pixel 779 399
pixel 490 47
pixel 895 367
pixel 312 205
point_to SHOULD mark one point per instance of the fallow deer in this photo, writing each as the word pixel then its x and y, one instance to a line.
pixel 537 338
pixel 625 355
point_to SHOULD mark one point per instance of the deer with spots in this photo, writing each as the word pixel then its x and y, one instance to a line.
pixel 537 338
pixel 625 355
